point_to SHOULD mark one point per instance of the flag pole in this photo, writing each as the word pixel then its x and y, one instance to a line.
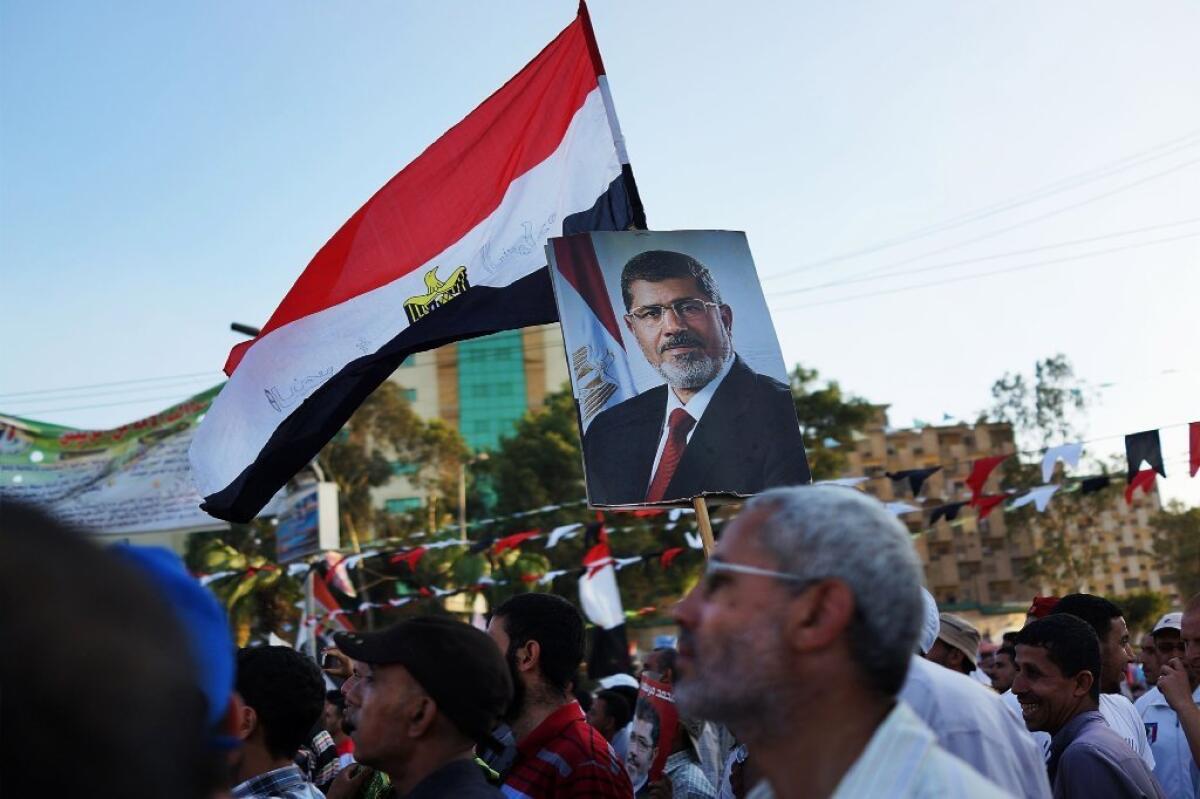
pixel 705 525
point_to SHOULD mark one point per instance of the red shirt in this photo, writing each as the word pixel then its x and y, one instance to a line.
pixel 566 756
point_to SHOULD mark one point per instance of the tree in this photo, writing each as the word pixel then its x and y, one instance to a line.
pixel 827 417
pixel 1177 546
pixel 1142 609
pixel 1043 410
pixel 385 430
pixel 260 597
pixel 541 463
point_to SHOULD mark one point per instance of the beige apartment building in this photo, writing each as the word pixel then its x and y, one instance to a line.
pixel 974 566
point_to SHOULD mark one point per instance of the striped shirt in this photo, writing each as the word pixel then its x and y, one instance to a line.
pixel 565 756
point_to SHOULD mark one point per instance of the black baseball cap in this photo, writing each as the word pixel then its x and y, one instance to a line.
pixel 460 667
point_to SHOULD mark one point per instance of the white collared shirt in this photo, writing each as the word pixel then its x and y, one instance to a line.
pixel 902 760
pixel 695 408
pixel 1174 769
pixel 972 723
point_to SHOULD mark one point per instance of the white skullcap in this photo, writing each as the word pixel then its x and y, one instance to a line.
pixel 931 624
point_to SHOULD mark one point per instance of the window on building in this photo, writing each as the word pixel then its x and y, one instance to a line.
pixel 410 394
pixel 402 505
pixel 401 467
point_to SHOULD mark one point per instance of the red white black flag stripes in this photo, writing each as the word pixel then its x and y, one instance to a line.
pixel 450 248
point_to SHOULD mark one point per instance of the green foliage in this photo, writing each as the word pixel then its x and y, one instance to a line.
pixel 1043 408
pixel 1142 609
pixel 260 598
pixel 541 462
pixel 385 429
pixel 826 414
pixel 1177 547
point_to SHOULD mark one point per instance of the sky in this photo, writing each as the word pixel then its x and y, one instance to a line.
pixel 1000 181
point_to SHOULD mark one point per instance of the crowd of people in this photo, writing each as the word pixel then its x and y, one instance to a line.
pixel 809 662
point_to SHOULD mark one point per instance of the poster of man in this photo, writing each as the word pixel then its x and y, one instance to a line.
pixel 655 726
pixel 675 367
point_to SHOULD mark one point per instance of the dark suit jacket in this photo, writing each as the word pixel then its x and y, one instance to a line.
pixel 748 440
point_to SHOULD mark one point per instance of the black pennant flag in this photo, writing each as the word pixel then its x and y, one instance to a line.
pixel 947 512
pixel 1090 485
pixel 915 477
pixel 1144 446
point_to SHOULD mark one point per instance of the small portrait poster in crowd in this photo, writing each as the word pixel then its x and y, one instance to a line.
pixel 675 366
pixel 655 725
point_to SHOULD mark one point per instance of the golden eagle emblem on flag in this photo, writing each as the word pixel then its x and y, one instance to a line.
pixel 439 293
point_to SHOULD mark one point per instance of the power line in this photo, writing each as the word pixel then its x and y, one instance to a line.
pixel 1031 220
pixel 170 397
pixel 115 392
pixel 1173 146
pixel 1021 268
pixel 209 373
pixel 869 277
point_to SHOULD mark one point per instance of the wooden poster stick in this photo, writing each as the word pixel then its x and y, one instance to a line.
pixel 705 525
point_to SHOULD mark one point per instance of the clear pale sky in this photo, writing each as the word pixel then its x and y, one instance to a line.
pixel 167 168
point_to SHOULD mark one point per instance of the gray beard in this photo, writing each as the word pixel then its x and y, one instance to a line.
pixel 740 685
pixel 694 372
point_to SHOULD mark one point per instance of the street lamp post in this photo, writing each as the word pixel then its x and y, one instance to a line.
pixel 462 492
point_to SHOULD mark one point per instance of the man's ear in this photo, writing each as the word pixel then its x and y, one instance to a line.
pixel 819 615
pixel 727 317
pixel 528 656
pixel 247 721
pixel 421 716
pixel 1082 683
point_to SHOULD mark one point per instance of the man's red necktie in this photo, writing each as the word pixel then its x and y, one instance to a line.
pixel 678 427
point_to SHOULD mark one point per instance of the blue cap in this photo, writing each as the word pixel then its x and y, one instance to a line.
pixel 202 617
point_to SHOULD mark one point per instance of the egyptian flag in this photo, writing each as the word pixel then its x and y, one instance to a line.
pixel 451 248
pixel 601 601
pixel 600 371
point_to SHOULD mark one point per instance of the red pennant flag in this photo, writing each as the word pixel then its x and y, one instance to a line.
pixel 598 556
pixel 513 541
pixel 530 578
pixel 323 597
pixel 412 557
pixel 1194 449
pixel 980 471
pixel 337 575
pixel 669 556
pixel 1143 480
pixel 987 503
pixel 647 513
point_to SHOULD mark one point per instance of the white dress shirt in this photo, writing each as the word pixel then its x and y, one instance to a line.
pixel 904 761
pixel 1175 771
pixel 695 408
pixel 972 723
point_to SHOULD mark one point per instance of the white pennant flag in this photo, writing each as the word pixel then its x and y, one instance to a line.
pixel 1039 496
pixel 1067 453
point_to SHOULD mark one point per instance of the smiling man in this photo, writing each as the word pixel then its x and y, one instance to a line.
pixel 1058 687
pixel 715 425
